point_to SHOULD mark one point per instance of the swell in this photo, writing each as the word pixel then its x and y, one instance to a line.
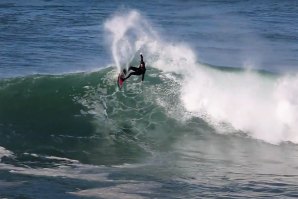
pixel 45 115
pixel 85 117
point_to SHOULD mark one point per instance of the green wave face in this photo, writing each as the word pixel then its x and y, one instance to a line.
pixel 85 116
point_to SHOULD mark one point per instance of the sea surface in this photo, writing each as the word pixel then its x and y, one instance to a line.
pixel 215 117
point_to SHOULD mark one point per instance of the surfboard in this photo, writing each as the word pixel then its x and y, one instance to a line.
pixel 121 77
pixel 120 80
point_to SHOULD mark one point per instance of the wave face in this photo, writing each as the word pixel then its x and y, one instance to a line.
pixel 85 117
pixel 260 105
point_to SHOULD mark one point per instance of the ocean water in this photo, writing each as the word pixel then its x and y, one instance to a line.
pixel 216 116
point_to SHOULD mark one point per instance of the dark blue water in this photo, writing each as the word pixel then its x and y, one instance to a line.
pixel 62 36
pixel 216 116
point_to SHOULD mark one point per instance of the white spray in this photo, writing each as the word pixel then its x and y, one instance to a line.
pixel 128 35
pixel 264 108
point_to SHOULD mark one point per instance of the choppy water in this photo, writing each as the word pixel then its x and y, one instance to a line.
pixel 215 117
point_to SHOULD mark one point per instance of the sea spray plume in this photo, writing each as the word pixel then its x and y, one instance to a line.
pixel 128 34
pixel 117 28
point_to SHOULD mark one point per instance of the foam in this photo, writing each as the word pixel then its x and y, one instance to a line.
pixel 75 171
pixel 261 107
pixel 4 152
pixel 52 157
pixel 126 190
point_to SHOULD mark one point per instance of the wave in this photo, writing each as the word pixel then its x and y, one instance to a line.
pixel 85 117
pixel 262 106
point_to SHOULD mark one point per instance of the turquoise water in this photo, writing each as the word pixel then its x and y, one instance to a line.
pixel 216 116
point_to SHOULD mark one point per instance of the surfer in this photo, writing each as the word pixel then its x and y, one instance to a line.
pixel 137 71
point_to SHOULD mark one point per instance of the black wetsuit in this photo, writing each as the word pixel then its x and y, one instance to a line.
pixel 137 71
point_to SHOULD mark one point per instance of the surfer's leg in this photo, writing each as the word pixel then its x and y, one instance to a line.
pixel 130 74
pixel 143 75
pixel 133 68
pixel 133 73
